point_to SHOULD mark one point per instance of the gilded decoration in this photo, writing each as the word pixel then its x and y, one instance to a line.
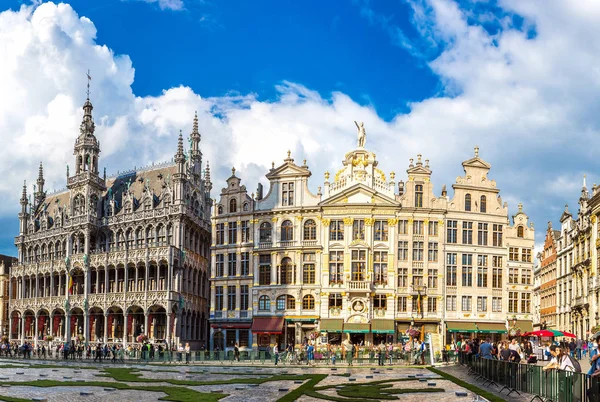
pixel 392 221
pixel 593 219
pixel 325 221
pixel 348 221
pixel 369 221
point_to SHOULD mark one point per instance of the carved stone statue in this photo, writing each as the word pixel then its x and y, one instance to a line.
pixel 362 135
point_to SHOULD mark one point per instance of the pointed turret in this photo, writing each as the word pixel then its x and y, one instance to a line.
pixel 40 195
pixel 24 198
pixel 87 146
pixel 584 191
pixel 196 154
pixel 207 182
pixel 23 215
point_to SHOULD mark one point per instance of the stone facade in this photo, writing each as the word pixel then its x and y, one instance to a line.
pixel 5 263
pixel 110 259
pixel 546 275
pixel 365 258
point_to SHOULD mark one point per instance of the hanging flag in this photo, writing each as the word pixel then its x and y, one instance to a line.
pixel 70 285
pixel 419 303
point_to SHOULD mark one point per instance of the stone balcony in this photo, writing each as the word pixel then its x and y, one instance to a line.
pixel 360 285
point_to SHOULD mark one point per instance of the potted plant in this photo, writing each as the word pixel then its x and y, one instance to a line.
pixel 49 338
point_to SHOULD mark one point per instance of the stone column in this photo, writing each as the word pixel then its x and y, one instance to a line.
pixel 67 326
pixel 86 326
pixel 22 329
pixel 168 332
pixel 105 335
pixel 35 329
pixel 125 334
pixel 146 328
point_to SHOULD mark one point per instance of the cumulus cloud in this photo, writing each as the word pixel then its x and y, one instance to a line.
pixel 175 5
pixel 528 100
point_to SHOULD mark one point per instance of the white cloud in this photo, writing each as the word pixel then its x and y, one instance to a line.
pixel 529 103
pixel 175 5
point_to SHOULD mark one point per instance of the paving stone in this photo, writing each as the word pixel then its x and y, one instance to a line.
pixel 461 394
pixel 422 379
pixel 431 384
pixel 369 376
pixel 20 373
pixel 84 393
pixel 298 382
pixel 4 378
pixel 283 389
pixel 39 399
pixel 5 386
pixel 217 391
pixel 351 379
pixel 240 388
pixel 333 369
pixel 110 389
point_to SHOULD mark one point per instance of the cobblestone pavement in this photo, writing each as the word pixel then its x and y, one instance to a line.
pixel 60 381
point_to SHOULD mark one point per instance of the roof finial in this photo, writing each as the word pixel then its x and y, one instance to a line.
pixel 89 78
pixel 520 207
pixel 584 185
pixel 476 151
pixel 233 171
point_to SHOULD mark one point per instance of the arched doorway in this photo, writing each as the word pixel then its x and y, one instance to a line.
pixel 115 324
pixel 15 328
pixel 157 323
pixel 43 328
pixel 29 324
pixel 135 323
pixel 76 323
pixel 58 324
pixel 96 325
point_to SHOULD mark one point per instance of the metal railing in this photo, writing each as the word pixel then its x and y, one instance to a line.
pixel 546 385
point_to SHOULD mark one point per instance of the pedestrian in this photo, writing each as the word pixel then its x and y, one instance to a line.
pixel 236 352
pixel 381 354
pixel 276 353
pixel 187 353
pixel 350 353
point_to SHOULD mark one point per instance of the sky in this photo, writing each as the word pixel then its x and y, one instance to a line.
pixel 431 77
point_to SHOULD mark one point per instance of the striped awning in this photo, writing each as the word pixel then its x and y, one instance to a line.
pixel 354 328
pixel 331 325
pixel 382 326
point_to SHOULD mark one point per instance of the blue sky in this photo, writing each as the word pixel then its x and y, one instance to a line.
pixel 435 77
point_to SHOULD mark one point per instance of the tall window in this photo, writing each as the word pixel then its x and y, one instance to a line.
pixel 286 274
pixel 264 303
pixel 497 235
pixel 231 264
pixel 310 230
pixel 513 275
pixel 380 302
pixel 335 301
pixel 308 268
pixel 381 230
pixel 232 206
pixel 287 231
pixel 264 269
pixel 419 196
pixel 482 271
pixel 452 232
pixel 244 297
pixel 231 298
pixel 483 204
pixel 526 277
pixel 245 231
pixel 467 270
pixel 245 263
pixel 402 277
pixel 287 194
pixel 380 259
pixel 513 254
pixel 219 298
pixel 432 251
pixel 526 255
pixel 265 233
pixel 417 276
pixel 467 202
pixel 403 250
pixel 232 232
pixel 358 230
pixel 220 233
pixel 418 228
pixel 308 302
pixel 432 278
pixel 402 227
pixel 219 265
pixel 402 304
pixel 451 269
pixel 417 251
pixel 526 303
pixel 482 303
pixel 359 262
pixel 433 228
pixel 280 302
pixel 290 302
pixel 496 304
pixel 336 267
pixel 496 272
pixel 336 230
pixel 450 303
pixel 432 304
pixel 482 234
pixel 513 302
pixel 466 303
pixel 467 233
pixel 520 231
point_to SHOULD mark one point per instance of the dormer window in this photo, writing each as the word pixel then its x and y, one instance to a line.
pixel 419 196
pixel 246 207
pixel 287 194
pixel 520 231
pixel 220 210
pixel 483 204
pixel 467 202
pixel 232 206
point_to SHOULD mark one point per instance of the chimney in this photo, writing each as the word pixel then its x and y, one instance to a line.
pixel 259 192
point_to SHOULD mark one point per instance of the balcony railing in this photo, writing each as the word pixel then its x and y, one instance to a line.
pixel 287 243
pixel 359 285
pixel 265 245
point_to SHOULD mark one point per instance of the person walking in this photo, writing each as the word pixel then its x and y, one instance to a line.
pixel 350 353
pixel 381 354
pixel 236 352
pixel 187 353
pixel 276 353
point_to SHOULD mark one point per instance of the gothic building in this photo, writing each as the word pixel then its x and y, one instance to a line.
pixel 366 257
pixel 112 258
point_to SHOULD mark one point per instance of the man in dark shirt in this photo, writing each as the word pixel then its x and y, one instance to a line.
pixel 514 356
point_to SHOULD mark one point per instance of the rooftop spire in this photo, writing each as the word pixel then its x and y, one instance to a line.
pixel 207 181
pixel 195 127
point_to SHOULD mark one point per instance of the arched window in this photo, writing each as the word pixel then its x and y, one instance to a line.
pixel 281 303
pixel 232 205
pixel 264 303
pixel 290 302
pixel 148 203
pixel 520 231
pixel 419 196
pixel 78 205
pixel 310 230
pixel 127 207
pixel 308 302
pixel 467 202
pixel 220 209
pixel 287 231
pixel 246 207
pixel 286 272
pixel 265 232
pixel 483 204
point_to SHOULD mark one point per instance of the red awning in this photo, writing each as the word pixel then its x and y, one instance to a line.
pixel 270 325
